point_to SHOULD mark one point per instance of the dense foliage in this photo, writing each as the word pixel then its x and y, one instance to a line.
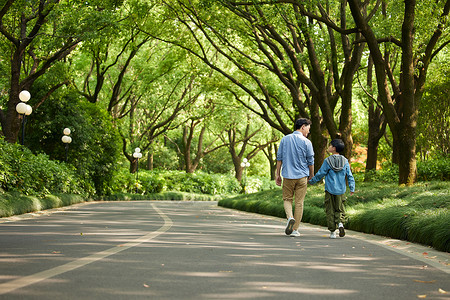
pixel 22 171
pixel 95 147
pixel 158 181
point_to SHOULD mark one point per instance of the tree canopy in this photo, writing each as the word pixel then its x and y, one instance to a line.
pixel 199 78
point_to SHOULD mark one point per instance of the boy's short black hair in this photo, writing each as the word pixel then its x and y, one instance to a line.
pixel 338 144
pixel 300 122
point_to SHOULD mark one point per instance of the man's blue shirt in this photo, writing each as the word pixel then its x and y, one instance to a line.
pixel 296 152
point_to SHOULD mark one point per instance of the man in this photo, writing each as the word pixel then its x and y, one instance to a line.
pixel 295 162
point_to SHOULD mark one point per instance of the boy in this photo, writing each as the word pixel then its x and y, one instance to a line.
pixel 336 169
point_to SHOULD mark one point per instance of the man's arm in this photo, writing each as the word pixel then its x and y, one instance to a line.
pixel 278 173
pixel 311 172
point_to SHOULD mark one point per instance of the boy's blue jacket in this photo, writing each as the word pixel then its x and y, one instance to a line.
pixel 335 168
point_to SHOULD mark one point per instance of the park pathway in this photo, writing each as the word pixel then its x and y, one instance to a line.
pixel 197 250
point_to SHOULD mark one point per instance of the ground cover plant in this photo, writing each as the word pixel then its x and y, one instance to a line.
pixel 418 214
pixel 14 203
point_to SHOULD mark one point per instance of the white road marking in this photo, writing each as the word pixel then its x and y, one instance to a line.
pixel 32 279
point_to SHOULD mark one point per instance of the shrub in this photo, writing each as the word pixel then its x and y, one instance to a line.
pixel 37 175
pixel 157 181
pixel 436 169
pixel 15 203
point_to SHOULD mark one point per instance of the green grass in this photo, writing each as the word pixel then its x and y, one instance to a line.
pixel 418 214
pixel 15 203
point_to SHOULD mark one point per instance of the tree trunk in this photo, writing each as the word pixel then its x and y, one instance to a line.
pixel 150 161
pixel 11 121
pixel 408 109
pixel 402 122
pixel 133 165
pixel 318 141
pixel 377 127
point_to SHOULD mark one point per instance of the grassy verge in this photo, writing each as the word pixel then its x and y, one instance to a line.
pixel 418 214
pixel 16 204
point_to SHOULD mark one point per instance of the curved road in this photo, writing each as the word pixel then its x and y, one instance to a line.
pixel 197 250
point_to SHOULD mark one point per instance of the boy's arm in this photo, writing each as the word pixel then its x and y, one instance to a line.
pixel 351 179
pixel 320 174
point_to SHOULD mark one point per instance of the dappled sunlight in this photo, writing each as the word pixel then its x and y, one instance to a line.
pixel 200 274
pixel 300 288
pixel 206 253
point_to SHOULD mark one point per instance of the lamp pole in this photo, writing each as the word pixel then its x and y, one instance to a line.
pixel 245 164
pixel 66 139
pixel 137 154
pixel 24 109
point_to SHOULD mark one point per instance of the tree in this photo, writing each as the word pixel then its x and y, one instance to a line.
pixel 277 37
pixel 147 121
pixel 38 34
pixel 401 107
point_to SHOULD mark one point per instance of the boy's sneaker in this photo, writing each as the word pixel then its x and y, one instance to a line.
pixel 341 230
pixel 295 233
pixel 289 226
pixel 332 235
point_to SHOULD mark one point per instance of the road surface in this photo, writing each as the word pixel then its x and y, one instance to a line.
pixel 197 250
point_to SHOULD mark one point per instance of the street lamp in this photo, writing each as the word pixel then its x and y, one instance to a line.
pixel 24 109
pixel 245 164
pixel 66 139
pixel 137 154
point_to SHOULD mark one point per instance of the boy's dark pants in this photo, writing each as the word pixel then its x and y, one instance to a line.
pixel 334 208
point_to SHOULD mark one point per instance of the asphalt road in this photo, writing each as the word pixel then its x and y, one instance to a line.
pixel 197 250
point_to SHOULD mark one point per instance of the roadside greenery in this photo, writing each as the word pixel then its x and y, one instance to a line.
pixel 23 172
pixel 427 170
pixel 160 181
pixel 420 213
pixel 15 203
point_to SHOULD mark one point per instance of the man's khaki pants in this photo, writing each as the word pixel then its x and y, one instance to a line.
pixel 297 188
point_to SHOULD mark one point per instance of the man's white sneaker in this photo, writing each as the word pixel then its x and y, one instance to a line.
pixel 289 226
pixel 295 233
pixel 332 235
pixel 341 230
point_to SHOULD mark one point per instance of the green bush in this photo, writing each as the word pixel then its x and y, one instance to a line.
pixel 172 196
pixel 436 169
pixel 15 203
pixel 157 181
pixel 30 174
pixel 96 143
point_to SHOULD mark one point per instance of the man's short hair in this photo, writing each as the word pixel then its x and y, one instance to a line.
pixel 300 122
pixel 338 144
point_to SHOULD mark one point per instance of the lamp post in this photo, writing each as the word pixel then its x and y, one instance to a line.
pixel 66 139
pixel 245 164
pixel 137 154
pixel 24 109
